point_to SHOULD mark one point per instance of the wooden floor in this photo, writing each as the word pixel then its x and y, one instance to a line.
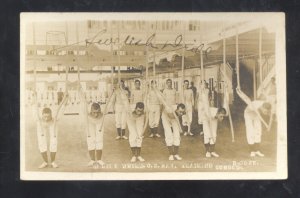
pixel 72 155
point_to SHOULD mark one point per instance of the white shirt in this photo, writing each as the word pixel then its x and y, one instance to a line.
pixel 188 96
pixel 137 95
pixel 170 96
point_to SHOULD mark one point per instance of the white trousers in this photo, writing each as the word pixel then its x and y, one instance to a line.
pixel 42 139
pixel 154 115
pixel 95 140
pixel 171 128
pixel 188 117
pixel 189 112
pixel 120 115
pixel 135 127
pixel 253 129
pixel 201 115
pixel 210 130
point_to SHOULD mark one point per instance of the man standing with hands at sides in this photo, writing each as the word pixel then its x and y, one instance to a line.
pixel 137 95
pixel 194 89
pixel 94 129
pixel 135 123
pixel 188 101
pixel 170 94
pixel 202 96
pixel 153 104
pixel 118 100
pixel 47 126
pixel 253 120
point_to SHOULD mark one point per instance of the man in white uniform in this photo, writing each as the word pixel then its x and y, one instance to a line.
pixel 171 124
pixel 202 99
pixel 188 101
pixel 253 121
pixel 135 123
pixel 170 94
pixel 172 129
pixel 94 129
pixel 119 100
pixel 210 119
pixel 137 95
pixel 154 109
pixel 47 126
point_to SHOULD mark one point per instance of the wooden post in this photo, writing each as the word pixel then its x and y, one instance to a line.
pixel 237 58
pixel 182 60
pixel 259 53
pixel 224 56
pixel 67 77
pixel 154 65
pixel 254 82
pixel 147 55
pixel 112 56
pixel 67 32
pixel 202 67
pixel 77 40
pixel 119 61
pixel 34 43
pixel 34 76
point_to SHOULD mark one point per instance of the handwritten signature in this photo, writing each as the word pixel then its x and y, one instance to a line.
pixel 176 44
pixel 130 40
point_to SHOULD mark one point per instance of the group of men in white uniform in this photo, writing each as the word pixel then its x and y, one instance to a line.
pixel 51 98
pixel 150 104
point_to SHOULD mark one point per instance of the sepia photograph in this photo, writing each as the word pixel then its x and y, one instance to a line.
pixel 153 96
